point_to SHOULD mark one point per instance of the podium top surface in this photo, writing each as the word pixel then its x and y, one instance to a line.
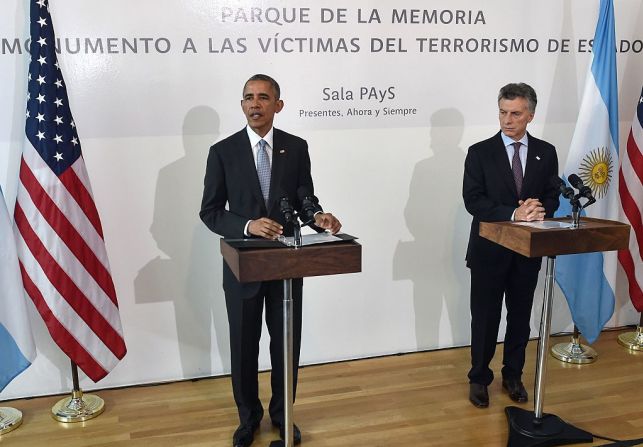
pixel 592 235
pixel 260 260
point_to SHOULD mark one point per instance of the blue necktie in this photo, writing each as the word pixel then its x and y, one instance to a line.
pixel 263 170
pixel 516 167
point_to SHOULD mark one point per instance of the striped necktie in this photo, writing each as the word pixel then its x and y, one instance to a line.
pixel 263 170
pixel 516 167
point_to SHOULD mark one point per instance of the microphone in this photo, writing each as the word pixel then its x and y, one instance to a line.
pixel 562 187
pixel 577 183
pixel 309 205
pixel 583 191
pixel 290 218
pixel 286 209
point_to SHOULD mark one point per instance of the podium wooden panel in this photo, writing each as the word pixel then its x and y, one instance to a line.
pixel 535 428
pixel 266 264
pixel 250 263
pixel 592 235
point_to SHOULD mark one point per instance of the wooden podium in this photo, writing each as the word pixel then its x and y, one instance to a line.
pixel 261 260
pixel 535 428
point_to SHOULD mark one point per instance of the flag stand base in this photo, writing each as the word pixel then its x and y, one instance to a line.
pixel 574 352
pixel 632 340
pixel 10 419
pixel 78 408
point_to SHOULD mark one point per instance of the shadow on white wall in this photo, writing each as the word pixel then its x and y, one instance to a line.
pixel 190 276
pixel 434 259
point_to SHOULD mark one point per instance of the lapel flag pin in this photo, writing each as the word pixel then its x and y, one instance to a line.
pixel 537 157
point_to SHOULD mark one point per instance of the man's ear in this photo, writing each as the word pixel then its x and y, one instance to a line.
pixel 280 105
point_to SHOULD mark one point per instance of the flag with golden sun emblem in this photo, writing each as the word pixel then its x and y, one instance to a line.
pixel 587 280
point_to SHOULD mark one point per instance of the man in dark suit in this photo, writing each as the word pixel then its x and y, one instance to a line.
pixel 249 172
pixel 506 177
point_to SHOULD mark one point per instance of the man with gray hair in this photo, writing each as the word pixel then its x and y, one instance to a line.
pixel 506 177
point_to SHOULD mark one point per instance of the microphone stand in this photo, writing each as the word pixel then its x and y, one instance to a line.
pixel 290 216
pixel 297 217
pixel 297 232
pixel 576 209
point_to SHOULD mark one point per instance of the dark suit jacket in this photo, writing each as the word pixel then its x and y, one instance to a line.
pixel 231 178
pixel 490 194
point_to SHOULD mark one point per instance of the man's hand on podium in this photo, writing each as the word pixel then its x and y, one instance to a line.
pixel 529 210
pixel 328 222
pixel 266 228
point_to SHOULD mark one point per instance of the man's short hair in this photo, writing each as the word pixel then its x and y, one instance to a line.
pixel 520 90
pixel 263 77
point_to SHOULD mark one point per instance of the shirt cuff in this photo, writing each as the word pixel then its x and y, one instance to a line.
pixel 245 229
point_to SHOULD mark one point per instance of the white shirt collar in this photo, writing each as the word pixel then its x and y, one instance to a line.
pixel 254 138
pixel 507 140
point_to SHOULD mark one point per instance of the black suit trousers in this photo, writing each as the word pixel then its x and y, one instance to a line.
pixel 517 283
pixel 245 321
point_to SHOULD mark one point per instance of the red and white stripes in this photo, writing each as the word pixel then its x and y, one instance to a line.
pixel 64 263
pixel 631 194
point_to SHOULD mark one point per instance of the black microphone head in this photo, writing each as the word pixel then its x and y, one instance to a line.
pixel 575 181
pixel 309 205
pixel 567 192
pixel 562 187
pixel 308 209
pixel 310 201
pixel 584 191
pixel 284 202
pixel 286 209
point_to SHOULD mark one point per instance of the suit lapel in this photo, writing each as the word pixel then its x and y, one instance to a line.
pixel 534 163
pixel 248 167
pixel 279 153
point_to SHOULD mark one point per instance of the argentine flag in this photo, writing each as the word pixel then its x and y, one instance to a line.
pixel 587 280
pixel 17 349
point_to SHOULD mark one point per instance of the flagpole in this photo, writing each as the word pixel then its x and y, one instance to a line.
pixel 574 352
pixel 633 340
pixel 78 407
pixel 10 419
pixel 79 305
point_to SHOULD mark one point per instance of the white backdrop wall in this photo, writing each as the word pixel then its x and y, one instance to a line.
pixel 154 83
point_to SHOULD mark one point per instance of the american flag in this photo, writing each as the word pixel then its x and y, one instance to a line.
pixel 631 191
pixel 62 253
